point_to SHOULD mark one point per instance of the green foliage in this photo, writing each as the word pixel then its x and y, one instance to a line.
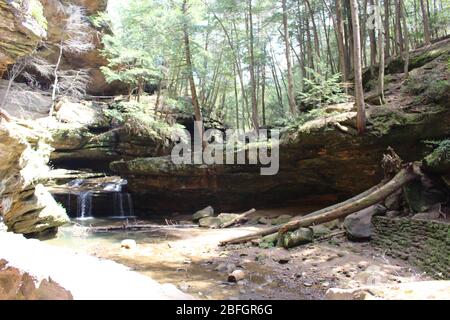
pixel 137 121
pixel 321 89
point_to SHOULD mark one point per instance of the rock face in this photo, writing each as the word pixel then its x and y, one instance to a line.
pixel 21 28
pixel 91 60
pixel 25 205
pixel 85 137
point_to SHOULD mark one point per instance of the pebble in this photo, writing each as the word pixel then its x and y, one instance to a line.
pixel 363 265
pixel 128 244
pixel 307 284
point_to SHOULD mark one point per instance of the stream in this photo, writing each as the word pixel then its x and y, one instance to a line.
pixel 176 252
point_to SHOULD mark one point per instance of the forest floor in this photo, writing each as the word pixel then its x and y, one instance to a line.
pixel 191 259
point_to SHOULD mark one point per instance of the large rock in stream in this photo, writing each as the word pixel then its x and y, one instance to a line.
pixel 25 205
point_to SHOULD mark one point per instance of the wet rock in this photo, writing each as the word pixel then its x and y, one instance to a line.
pixel 269 241
pixel 210 222
pixel 358 225
pixel 128 244
pixel 320 230
pixel 204 213
pixel 281 219
pixel 298 237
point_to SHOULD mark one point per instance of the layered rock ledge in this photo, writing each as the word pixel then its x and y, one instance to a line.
pixel 25 204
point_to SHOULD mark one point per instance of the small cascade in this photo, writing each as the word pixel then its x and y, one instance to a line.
pixel 98 197
pixel 84 205
pixel 130 205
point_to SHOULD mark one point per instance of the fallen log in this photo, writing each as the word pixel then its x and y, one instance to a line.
pixel 240 218
pixel 137 227
pixel 340 210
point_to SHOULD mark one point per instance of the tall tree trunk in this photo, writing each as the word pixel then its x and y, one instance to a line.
pixel 255 116
pixel 381 53
pixel 187 49
pixel 387 12
pixel 316 35
pixel 373 42
pixel 359 93
pixel 406 31
pixel 340 40
pixel 291 97
pixel 398 26
pixel 236 98
pixel 426 23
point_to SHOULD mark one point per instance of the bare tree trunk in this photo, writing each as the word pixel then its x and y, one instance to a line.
pixel 340 40
pixel 316 35
pixel 197 110
pixel 359 92
pixel 236 99
pixel 405 30
pixel 387 11
pixel 255 116
pixel 381 54
pixel 373 43
pixel 55 82
pixel 426 23
pixel 291 97
pixel 398 26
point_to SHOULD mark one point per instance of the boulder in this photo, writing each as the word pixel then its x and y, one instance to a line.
pixel 281 219
pixel 298 237
pixel 206 212
pixel 210 222
pixel 358 225
pixel 320 230
pixel 269 241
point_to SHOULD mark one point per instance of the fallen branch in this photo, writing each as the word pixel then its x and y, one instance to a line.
pixel 340 210
pixel 136 227
pixel 240 218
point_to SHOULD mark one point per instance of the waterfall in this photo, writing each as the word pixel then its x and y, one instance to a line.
pixel 84 205
pixel 130 205
pixel 123 207
pixel 118 204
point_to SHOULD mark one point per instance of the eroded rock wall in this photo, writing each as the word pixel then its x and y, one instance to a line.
pixel 25 205
pixel 21 28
